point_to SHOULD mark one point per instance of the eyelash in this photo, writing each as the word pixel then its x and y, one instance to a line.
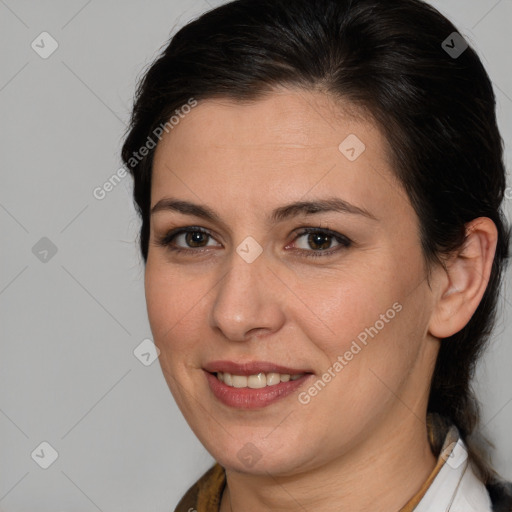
pixel 345 243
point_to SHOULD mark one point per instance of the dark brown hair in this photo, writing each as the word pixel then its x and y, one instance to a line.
pixel 436 109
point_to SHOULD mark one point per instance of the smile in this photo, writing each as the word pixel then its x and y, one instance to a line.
pixel 253 391
pixel 256 381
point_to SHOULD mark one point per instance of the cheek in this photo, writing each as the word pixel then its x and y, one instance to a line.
pixel 368 326
pixel 173 302
pixel 173 305
pixel 346 303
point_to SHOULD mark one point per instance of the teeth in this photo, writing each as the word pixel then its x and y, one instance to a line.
pixel 257 381
pixel 273 379
pixel 239 381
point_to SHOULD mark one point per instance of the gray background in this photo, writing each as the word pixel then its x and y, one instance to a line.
pixel 70 324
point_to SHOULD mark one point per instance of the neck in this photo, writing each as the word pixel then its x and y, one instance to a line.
pixel 375 475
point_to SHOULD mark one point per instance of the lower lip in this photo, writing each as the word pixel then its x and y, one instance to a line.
pixel 248 398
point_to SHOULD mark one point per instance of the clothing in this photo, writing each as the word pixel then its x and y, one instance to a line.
pixel 452 486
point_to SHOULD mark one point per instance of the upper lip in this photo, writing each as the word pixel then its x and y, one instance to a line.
pixel 251 368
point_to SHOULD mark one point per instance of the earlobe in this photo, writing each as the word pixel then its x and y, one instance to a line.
pixel 462 283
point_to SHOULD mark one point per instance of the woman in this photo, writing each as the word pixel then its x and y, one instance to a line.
pixel 320 185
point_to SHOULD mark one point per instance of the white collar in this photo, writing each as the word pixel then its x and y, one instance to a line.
pixel 456 487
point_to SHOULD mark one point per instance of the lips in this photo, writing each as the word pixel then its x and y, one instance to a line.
pixel 248 398
pixel 233 383
pixel 252 368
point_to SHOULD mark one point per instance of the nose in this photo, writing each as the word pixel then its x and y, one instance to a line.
pixel 248 300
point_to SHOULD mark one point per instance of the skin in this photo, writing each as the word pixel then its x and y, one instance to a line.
pixel 361 443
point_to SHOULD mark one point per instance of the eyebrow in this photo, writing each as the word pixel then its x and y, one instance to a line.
pixel 332 204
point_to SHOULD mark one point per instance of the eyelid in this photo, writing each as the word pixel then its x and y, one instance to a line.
pixel 171 235
pixel 343 241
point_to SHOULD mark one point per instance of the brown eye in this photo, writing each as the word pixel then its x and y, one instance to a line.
pixel 195 238
pixel 320 242
pixel 185 239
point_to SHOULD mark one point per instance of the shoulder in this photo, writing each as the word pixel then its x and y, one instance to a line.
pixel 209 487
pixel 501 496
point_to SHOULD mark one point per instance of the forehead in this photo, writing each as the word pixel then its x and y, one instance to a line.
pixel 281 118
pixel 284 144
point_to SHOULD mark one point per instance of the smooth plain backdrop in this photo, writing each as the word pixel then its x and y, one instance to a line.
pixel 72 307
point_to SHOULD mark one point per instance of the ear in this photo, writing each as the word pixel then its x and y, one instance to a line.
pixel 461 285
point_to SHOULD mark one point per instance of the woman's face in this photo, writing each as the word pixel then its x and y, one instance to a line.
pixel 251 293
